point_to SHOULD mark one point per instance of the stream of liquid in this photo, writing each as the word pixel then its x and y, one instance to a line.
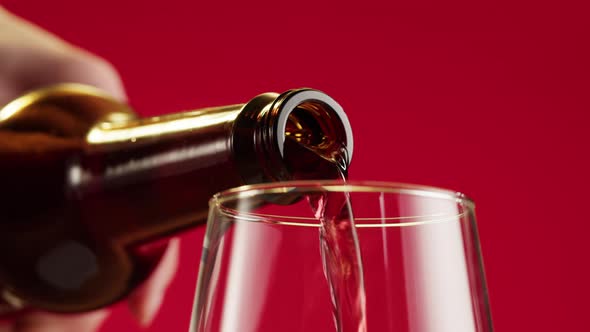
pixel 341 256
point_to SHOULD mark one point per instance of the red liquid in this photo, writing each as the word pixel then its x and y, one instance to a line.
pixel 342 260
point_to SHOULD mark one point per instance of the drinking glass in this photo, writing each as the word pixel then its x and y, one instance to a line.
pixel 262 269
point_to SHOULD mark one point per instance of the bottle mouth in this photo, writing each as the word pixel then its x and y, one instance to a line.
pixel 314 120
pixel 290 136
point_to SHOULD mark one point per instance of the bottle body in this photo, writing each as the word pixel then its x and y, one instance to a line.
pixel 81 201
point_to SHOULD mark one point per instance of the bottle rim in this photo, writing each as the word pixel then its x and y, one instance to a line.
pixel 289 101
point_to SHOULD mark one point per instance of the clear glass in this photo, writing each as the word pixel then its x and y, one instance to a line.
pixel 262 269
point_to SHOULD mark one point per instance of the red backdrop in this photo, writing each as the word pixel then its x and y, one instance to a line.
pixel 489 98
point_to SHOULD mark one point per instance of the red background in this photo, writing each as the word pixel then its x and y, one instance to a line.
pixel 489 98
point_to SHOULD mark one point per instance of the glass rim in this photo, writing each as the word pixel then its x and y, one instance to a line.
pixel 310 186
pixel 252 190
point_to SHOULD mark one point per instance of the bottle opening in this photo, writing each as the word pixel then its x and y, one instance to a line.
pixel 314 136
pixel 309 125
pixel 315 121
pixel 300 134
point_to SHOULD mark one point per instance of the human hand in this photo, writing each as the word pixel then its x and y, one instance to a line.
pixel 31 58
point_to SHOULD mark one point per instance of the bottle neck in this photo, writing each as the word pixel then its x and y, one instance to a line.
pixel 155 174
pixel 162 146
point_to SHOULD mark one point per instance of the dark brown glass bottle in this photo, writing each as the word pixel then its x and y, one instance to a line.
pixel 86 184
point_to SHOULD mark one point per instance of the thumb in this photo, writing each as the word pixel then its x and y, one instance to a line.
pixel 31 57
